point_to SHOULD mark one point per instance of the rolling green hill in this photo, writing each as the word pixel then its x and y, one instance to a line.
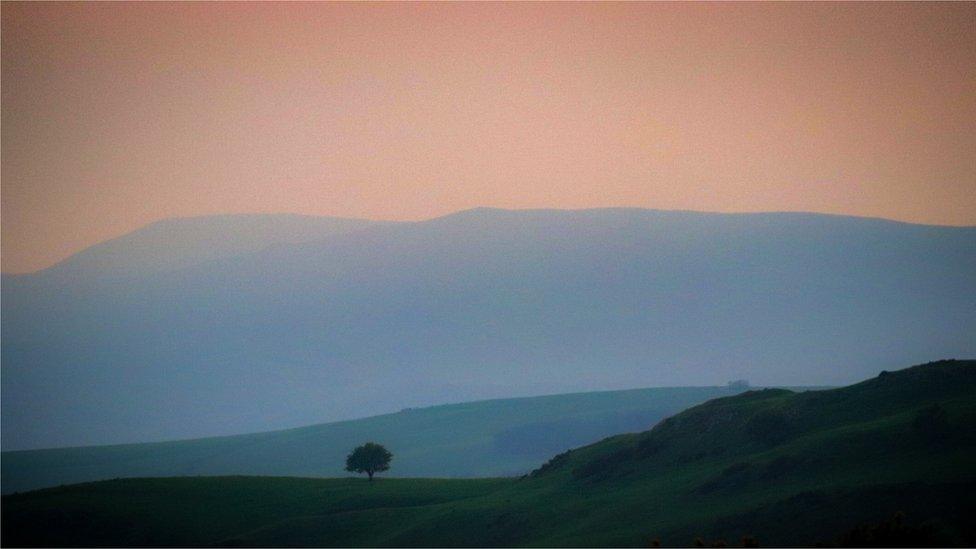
pixel 476 439
pixel 784 467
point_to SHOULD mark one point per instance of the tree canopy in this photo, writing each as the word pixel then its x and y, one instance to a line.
pixel 370 458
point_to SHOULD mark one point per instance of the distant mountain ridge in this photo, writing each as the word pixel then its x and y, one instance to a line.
pixel 178 243
pixel 480 304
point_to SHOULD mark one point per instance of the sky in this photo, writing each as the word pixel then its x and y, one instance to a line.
pixel 115 115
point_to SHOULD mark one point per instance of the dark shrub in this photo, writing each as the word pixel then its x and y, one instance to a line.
pixel 894 532
pixel 749 541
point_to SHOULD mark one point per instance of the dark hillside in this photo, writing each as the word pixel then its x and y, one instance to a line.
pixel 758 421
pixel 888 461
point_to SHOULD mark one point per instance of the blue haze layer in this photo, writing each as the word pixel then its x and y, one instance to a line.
pixel 154 336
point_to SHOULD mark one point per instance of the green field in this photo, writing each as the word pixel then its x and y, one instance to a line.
pixel 506 437
pixel 784 467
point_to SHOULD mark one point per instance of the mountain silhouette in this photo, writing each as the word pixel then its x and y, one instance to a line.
pixel 484 303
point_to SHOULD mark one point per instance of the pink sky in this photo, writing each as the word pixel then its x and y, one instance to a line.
pixel 116 115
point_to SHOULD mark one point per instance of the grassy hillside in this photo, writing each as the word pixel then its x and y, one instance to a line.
pixel 784 467
pixel 476 439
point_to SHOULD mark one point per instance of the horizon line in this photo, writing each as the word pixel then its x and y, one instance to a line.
pixel 474 209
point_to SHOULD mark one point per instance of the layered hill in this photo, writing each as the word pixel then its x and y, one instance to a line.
pixel 478 439
pixel 884 462
pixel 480 304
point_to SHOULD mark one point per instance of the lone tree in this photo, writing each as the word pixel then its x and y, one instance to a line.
pixel 369 458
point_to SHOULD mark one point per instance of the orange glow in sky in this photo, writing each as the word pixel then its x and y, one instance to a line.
pixel 115 115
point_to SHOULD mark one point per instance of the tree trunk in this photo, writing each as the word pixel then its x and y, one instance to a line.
pixel 370 473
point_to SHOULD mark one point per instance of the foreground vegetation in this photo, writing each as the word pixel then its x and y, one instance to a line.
pixel 892 456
